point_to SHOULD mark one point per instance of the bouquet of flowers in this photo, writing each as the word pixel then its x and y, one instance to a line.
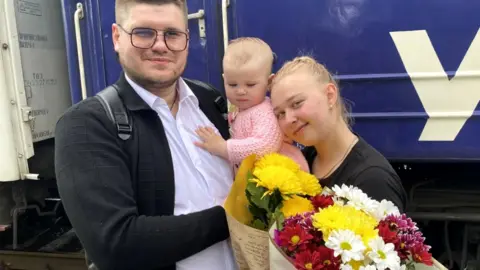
pixel 349 230
pixel 280 217
pixel 265 191
pixel 277 188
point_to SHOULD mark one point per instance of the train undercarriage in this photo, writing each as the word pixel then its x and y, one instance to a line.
pixel 444 200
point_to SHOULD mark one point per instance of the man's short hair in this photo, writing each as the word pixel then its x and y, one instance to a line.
pixel 122 7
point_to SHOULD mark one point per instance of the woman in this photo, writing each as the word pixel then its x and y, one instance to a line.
pixel 310 111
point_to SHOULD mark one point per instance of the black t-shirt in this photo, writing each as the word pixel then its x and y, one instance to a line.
pixel 365 168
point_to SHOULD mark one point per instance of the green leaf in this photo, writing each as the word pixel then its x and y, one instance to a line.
pixel 410 265
pixel 259 217
pixel 261 202
pixel 258 224
pixel 256 194
pixel 257 212
pixel 275 200
pixel 249 196
pixel 253 189
pixel 279 217
pixel 258 206
pixel 250 175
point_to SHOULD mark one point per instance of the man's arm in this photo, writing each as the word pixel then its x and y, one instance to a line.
pixel 94 183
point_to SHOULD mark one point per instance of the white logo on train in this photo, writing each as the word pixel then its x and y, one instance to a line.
pixel 448 103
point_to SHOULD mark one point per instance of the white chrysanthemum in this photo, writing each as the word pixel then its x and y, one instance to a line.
pixel 383 255
pixel 346 267
pixel 367 261
pixel 342 191
pixel 368 267
pixel 355 197
pixel 347 244
pixel 361 201
pixel 384 209
pixel 338 201
pixel 327 191
pixel 340 194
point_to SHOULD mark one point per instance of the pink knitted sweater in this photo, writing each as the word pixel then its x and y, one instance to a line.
pixel 256 131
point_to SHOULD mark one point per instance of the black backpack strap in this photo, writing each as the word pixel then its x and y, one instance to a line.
pixel 220 101
pixel 116 111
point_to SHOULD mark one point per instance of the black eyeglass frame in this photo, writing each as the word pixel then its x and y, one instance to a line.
pixel 156 36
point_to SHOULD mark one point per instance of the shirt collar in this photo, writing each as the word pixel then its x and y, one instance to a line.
pixel 184 92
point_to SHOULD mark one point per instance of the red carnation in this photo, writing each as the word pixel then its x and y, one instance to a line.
pixel 322 201
pixel 385 231
pixel 321 259
pixel 420 255
pixel 294 237
pixel 308 260
pixel 401 249
pixel 328 259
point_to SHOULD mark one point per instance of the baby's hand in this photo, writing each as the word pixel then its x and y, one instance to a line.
pixel 212 142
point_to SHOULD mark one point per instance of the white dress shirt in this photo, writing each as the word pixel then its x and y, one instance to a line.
pixel 202 180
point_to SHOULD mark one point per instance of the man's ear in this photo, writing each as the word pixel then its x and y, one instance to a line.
pixel 188 40
pixel 115 37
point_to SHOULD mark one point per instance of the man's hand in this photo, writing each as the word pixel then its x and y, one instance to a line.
pixel 212 142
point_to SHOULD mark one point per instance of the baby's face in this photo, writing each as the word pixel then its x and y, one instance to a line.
pixel 246 86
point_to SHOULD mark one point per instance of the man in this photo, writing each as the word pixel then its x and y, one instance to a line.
pixel 159 208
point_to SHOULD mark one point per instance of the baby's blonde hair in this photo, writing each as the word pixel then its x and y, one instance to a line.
pixel 309 64
pixel 247 50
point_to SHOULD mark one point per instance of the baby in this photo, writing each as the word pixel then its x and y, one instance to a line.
pixel 247 67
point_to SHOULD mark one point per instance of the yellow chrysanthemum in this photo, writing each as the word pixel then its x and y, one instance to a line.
pixel 309 183
pixel 355 264
pixel 338 217
pixel 275 159
pixel 296 205
pixel 276 177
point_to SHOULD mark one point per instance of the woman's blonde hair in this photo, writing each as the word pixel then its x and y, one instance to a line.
pixel 318 70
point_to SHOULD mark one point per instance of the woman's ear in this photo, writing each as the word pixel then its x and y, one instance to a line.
pixel 270 78
pixel 332 95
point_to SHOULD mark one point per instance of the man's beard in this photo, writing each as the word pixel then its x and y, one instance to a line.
pixel 149 83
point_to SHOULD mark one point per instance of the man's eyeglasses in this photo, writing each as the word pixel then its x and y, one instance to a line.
pixel 145 38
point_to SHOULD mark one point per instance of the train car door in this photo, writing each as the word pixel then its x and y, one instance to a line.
pixel 92 59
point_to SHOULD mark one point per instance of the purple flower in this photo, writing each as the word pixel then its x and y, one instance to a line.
pixel 276 234
pixel 402 223
pixel 409 241
pixel 304 220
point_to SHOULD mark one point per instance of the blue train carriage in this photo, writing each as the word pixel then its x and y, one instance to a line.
pixel 409 69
